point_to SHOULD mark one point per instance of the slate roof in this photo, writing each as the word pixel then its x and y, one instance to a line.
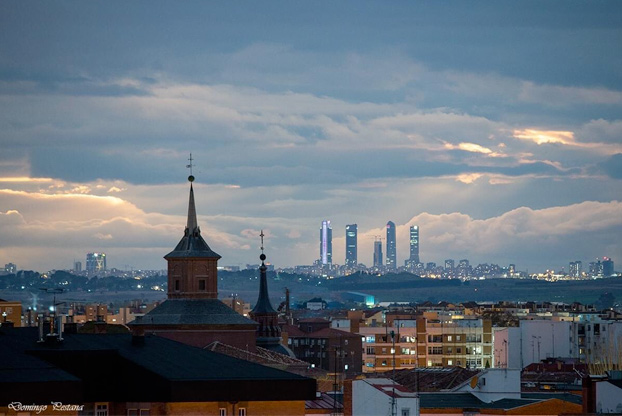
pixel 193 312
pixel 192 245
pixel 154 370
pixel 263 305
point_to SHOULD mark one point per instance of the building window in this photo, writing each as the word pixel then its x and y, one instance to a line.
pixel 405 411
pixel 176 285
pixel 242 411
pixel 449 338
pixel 202 284
pixel 435 350
pixel 222 412
pixel 450 362
pixel 458 350
pixel 101 409
pixel 457 337
pixel 138 412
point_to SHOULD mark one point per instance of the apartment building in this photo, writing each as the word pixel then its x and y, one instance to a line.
pixel 451 340
pixel 386 348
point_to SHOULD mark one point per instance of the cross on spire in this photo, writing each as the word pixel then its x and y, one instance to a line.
pixel 262 236
pixel 189 166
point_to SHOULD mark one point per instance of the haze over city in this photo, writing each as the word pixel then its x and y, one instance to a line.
pixel 493 126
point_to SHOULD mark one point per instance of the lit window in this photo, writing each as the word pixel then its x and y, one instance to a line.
pixel 242 411
pixel 449 337
pixel 222 412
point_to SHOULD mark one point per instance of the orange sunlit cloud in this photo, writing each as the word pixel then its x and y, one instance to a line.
pixel 545 136
pixel 473 148
pixel 25 179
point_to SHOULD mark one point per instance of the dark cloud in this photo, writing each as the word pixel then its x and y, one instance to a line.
pixel 613 166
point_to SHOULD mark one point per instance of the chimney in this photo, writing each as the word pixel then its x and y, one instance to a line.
pixel 138 336
pixel 59 327
pixel 40 328
pixel 100 327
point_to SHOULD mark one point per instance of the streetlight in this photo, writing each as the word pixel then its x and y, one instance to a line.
pixel 4 317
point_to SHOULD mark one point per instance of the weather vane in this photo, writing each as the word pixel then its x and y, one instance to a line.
pixel 190 178
pixel 262 257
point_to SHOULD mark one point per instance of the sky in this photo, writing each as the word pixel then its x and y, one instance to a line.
pixel 496 126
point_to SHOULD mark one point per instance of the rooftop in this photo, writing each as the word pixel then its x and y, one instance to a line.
pixel 152 369
pixel 193 312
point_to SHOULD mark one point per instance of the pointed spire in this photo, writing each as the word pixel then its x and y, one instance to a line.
pixel 192 244
pixel 263 305
pixel 192 212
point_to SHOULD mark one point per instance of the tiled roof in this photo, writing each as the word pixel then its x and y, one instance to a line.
pixel 432 379
pixel 293 331
pixel 193 312
pixel 262 356
pixel 567 397
pixel 467 400
pixel 324 401
pixel 313 320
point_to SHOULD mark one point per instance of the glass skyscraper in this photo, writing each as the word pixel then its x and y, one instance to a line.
pixel 378 253
pixel 351 245
pixel 391 249
pixel 414 244
pixel 95 262
pixel 326 243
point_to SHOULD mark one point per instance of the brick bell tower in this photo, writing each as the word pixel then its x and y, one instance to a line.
pixel 192 265
pixel 192 313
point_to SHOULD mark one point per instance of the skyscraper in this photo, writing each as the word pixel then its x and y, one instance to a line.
pixel 607 266
pixel 391 249
pixel 378 253
pixel 576 268
pixel 95 262
pixel 414 244
pixel 449 264
pixel 326 243
pixel 351 245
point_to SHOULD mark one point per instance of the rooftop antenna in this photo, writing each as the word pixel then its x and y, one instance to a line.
pixel 189 166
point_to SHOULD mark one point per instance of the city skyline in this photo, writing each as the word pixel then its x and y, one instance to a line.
pixel 501 141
